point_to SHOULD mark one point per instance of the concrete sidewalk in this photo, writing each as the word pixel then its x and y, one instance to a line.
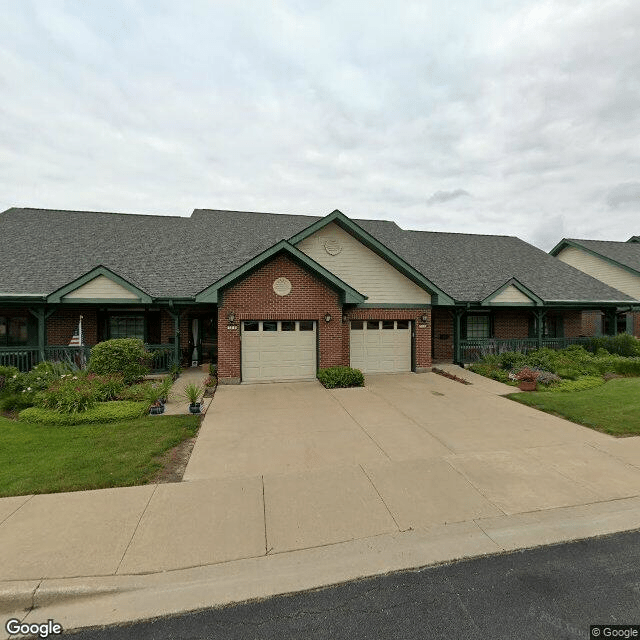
pixel 293 487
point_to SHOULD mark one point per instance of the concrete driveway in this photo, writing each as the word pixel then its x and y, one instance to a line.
pixel 404 452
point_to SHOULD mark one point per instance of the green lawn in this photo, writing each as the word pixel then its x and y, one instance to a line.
pixel 50 459
pixel 612 408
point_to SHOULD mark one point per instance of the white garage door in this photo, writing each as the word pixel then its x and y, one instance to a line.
pixel 278 350
pixel 380 345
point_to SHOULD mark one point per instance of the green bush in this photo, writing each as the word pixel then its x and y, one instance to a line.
pixel 101 412
pixel 333 377
pixel 512 360
pixel 16 401
pixel 622 345
pixel 137 392
pixel 493 371
pixel 78 392
pixel 581 384
pixel 7 375
pixel 568 374
pixel 126 357
pixel 627 366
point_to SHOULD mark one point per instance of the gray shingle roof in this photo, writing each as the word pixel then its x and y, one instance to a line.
pixel 625 253
pixel 42 250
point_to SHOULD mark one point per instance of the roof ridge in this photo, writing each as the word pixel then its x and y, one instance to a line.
pixel 462 233
pixel 109 213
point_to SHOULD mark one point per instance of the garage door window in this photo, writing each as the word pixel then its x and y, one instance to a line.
pixel 373 324
pixel 251 326
pixel 306 325
pixel 403 324
pixel 388 324
pixel 356 325
pixel 288 325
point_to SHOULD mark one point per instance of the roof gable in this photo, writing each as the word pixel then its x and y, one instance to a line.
pixel 337 217
pixel 349 294
pixel 512 293
pixel 99 284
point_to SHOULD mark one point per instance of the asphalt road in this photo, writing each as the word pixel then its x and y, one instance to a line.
pixel 551 592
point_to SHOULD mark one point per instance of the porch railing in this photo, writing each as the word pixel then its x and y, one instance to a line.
pixel 472 350
pixel 25 358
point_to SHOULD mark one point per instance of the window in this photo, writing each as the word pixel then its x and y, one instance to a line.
pixel 387 324
pixel 17 331
pixel 373 325
pixel 288 325
pixel 131 326
pixel 478 326
pixel 356 325
pixel 269 326
pixel 403 324
pixel 251 325
pixel 306 325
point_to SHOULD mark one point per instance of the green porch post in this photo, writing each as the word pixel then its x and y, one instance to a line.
pixel 540 315
pixel 39 315
pixel 613 322
pixel 457 330
pixel 175 314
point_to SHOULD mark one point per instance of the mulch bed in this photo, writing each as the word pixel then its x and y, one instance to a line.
pixel 451 376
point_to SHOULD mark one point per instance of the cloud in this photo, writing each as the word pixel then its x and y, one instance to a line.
pixel 445 196
pixel 624 194
pixel 306 107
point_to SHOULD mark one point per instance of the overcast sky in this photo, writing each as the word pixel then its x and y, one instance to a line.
pixel 510 117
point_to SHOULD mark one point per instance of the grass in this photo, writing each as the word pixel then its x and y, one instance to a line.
pixel 612 408
pixel 49 459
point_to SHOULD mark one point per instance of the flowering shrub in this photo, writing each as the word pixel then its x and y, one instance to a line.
pixel 78 392
pixel 527 375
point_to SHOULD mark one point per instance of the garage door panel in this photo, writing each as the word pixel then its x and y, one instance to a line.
pixel 377 350
pixel 278 355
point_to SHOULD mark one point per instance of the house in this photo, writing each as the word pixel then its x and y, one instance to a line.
pixel 274 297
pixel 614 263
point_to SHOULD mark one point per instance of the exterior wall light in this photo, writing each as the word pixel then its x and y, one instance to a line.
pixel 423 318
pixel 327 317
pixel 231 317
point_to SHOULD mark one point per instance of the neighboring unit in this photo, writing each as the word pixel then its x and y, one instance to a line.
pixel 614 263
pixel 274 297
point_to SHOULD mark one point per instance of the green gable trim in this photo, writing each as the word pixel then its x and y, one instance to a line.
pixel 634 239
pixel 512 282
pixel 576 245
pixel 57 296
pixel 348 294
pixel 439 296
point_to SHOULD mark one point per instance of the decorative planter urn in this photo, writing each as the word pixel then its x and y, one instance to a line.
pixel 194 408
pixel 156 410
pixel 527 385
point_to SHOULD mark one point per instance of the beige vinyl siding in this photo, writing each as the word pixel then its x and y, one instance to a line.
pixel 102 288
pixel 511 294
pixel 361 268
pixel 604 271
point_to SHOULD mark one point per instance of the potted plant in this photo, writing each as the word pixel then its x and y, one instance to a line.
pixel 154 397
pixel 527 379
pixel 165 388
pixel 193 393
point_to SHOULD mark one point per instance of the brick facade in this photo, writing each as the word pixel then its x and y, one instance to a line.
pixel 591 323
pixel 509 323
pixel 572 324
pixel 310 299
pixel 636 324
pixel 254 299
pixel 442 335
pixel 63 322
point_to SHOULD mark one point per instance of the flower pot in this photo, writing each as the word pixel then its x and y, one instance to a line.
pixel 194 408
pixel 156 410
pixel 527 385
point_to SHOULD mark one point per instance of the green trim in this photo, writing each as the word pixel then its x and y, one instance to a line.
pixel 513 282
pixel 57 296
pixel 440 297
pixel 349 295
pixel 634 239
pixel 20 299
pixel 393 305
pixel 576 245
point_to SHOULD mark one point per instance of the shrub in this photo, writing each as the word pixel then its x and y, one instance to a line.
pixel 136 392
pixel 68 395
pixel 627 366
pixel 493 371
pixel 16 401
pixel 333 377
pixel 512 359
pixel 581 384
pixel 546 378
pixel 106 387
pixel 101 412
pixel 569 374
pixel 622 345
pixel 126 357
pixel 7 374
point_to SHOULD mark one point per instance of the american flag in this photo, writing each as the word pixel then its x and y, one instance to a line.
pixel 76 339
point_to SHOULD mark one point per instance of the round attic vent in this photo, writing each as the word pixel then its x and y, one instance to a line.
pixel 332 246
pixel 282 286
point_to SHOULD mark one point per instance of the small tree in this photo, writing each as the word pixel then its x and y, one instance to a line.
pixel 123 356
